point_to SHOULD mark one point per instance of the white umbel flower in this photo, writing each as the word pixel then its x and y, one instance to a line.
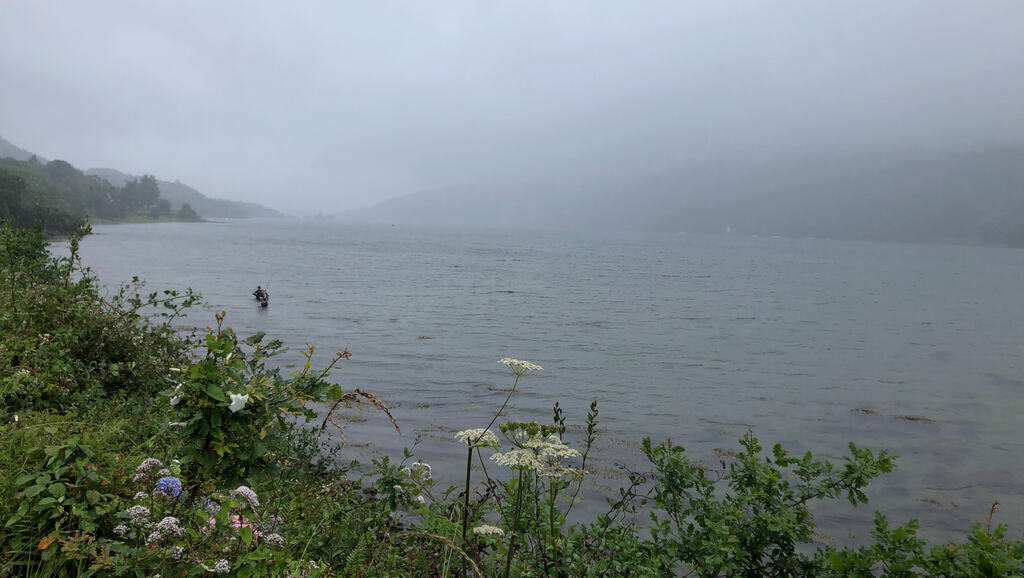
pixel 519 367
pixel 478 437
pixel 487 530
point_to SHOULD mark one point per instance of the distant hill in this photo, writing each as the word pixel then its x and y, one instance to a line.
pixel 974 196
pixel 178 194
pixel 8 150
pixel 57 196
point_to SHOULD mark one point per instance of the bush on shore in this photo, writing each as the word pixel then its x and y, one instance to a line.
pixel 123 454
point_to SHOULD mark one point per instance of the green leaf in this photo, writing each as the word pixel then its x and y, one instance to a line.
pixel 57 490
pixel 35 490
pixel 335 393
pixel 246 535
pixel 215 392
pixel 24 479
pixel 256 338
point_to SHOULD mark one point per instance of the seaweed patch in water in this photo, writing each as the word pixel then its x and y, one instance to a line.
pixel 919 418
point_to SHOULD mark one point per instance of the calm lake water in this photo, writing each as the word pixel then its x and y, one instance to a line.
pixel 811 343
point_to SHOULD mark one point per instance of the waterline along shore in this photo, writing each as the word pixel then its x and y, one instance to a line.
pixel 128 448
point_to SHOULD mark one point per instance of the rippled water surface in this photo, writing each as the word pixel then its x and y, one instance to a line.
pixel 811 343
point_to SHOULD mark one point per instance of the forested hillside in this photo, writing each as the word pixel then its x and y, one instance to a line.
pixel 179 194
pixel 56 195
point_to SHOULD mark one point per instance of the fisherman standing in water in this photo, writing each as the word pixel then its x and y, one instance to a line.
pixel 259 293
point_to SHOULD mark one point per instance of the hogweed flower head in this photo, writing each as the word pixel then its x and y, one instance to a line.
pixel 517 459
pixel 488 530
pixel 552 448
pixel 543 456
pixel 478 438
pixel 519 367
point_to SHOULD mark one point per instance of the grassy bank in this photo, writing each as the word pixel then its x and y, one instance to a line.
pixel 126 449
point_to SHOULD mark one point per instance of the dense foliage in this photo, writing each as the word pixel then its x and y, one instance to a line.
pixel 56 195
pixel 127 449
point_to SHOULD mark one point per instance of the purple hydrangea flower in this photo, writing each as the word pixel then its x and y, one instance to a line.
pixel 170 486
pixel 246 494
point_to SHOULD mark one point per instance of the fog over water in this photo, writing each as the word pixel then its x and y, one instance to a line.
pixel 330 106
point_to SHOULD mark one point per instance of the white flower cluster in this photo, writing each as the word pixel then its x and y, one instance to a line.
pixel 519 367
pixel 222 566
pixel 168 527
pixel 517 459
pixel 478 437
pixel 487 530
pixel 420 471
pixel 541 456
pixel 246 494
pixel 177 552
pixel 552 448
pixel 274 540
pixel 138 516
pixel 143 471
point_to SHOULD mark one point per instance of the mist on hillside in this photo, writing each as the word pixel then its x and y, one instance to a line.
pixel 866 120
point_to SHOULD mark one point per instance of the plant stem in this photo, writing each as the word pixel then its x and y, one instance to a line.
pixel 515 522
pixel 500 409
pixel 465 504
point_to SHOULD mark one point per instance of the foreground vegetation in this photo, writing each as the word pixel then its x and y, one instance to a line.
pixel 126 449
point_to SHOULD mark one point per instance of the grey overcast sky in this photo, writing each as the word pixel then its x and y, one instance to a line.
pixel 308 106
